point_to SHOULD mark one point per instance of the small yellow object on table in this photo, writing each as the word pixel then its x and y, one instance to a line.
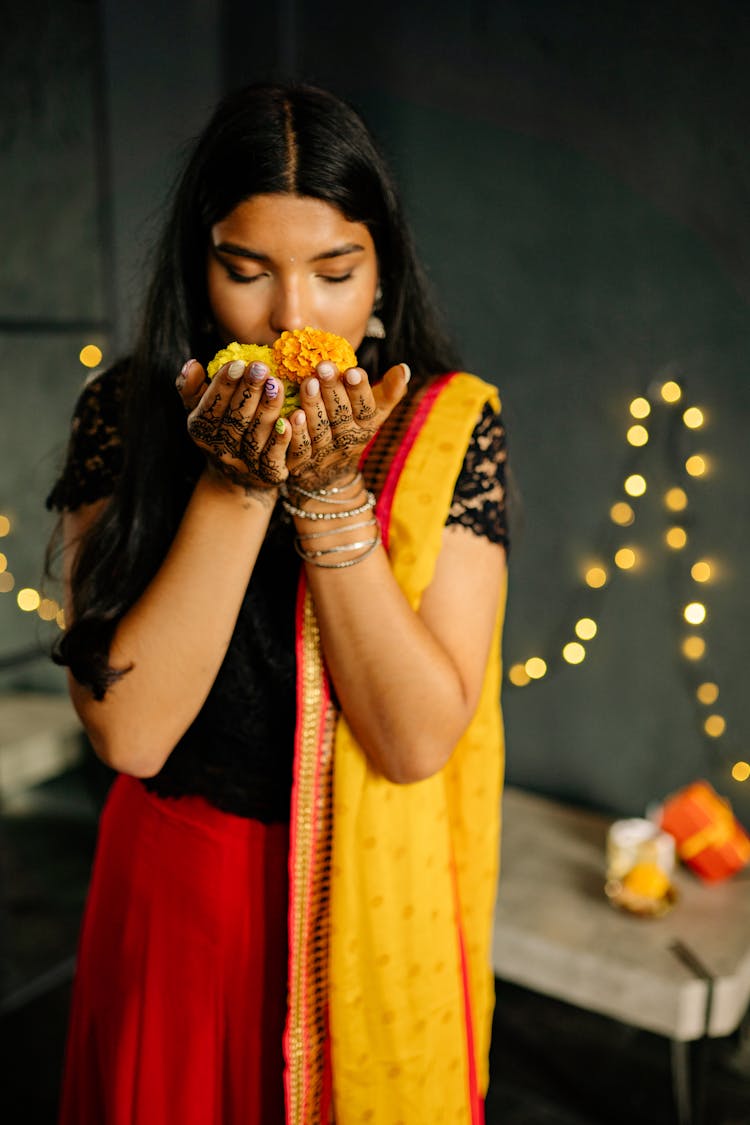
pixel 640 862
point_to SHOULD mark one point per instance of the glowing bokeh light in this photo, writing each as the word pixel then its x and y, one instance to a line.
pixel 535 668
pixel 676 499
pixel 574 652
pixel 640 408
pixel 621 514
pixel 715 725
pixel 741 771
pixel 626 558
pixel 671 391
pixel 7 582
pixel 596 577
pixel 694 613
pixel 90 355
pixel 28 599
pixel 707 693
pixel 701 571
pixel 637 435
pixel 676 538
pixel 4 526
pixel 586 629
pixel 518 675
pixel 635 485
pixel 48 609
pixel 696 465
pixel 693 418
pixel 693 648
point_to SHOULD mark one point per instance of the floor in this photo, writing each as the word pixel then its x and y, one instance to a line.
pixel 551 1064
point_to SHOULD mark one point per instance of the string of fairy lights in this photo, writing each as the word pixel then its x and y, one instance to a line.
pixel 597 572
pixel 28 599
pixel 617 557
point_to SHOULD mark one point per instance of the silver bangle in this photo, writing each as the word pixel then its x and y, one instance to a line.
pixel 348 562
pixel 293 510
pixel 338 530
pixel 311 556
pixel 325 495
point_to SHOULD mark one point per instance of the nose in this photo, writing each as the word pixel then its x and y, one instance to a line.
pixel 288 309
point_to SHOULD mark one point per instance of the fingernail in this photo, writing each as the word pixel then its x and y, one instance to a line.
pixel 280 426
pixel 258 370
pixel 272 388
pixel 236 369
pixel 186 367
pixel 326 370
pixel 407 372
pixel 353 377
pixel 313 387
pixel 298 418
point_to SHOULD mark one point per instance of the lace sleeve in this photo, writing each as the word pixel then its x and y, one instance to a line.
pixel 479 495
pixel 94 456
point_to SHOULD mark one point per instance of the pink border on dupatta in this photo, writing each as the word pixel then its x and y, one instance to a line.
pixel 385 501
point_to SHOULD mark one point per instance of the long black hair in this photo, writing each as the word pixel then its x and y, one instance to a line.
pixel 262 139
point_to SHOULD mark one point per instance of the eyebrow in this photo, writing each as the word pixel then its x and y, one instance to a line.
pixel 256 256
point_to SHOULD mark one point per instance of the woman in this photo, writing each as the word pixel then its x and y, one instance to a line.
pixel 292 665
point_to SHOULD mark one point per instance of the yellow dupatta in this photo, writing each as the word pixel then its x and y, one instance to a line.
pixel 406 897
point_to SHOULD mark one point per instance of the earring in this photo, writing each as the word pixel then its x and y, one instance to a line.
pixel 375 327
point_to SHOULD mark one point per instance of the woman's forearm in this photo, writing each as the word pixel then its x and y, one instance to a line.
pixel 175 636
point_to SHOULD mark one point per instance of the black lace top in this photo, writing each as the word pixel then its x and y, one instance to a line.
pixel 238 751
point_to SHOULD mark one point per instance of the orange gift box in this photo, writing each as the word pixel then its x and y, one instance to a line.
pixel 709 838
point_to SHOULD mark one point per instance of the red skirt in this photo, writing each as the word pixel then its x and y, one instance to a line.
pixel 180 992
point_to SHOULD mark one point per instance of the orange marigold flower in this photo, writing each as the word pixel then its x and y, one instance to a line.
pixel 299 351
pixel 249 353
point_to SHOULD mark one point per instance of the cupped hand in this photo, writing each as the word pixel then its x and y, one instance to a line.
pixel 235 419
pixel 340 414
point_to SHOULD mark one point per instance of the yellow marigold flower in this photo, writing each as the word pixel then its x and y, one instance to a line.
pixel 249 353
pixel 298 352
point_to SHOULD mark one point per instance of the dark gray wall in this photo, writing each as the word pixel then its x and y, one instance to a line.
pixel 52 282
pixel 578 179
pixel 578 182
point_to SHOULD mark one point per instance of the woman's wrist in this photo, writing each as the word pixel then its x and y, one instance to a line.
pixel 248 494
pixel 336 525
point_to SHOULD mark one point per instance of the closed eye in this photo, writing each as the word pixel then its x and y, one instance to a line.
pixel 241 278
pixel 335 280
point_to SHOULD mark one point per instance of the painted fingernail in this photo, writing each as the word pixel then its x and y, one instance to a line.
pixel 235 369
pixel 280 426
pixel 313 387
pixel 298 418
pixel 272 388
pixel 326 370
pixel 353 377
pixel 407 372
pixel 258 370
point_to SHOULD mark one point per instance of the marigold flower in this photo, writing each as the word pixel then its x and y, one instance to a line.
pixel 293 357
pixel 299 351
pixel 249 353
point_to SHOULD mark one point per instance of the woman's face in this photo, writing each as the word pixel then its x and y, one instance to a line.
pixel 278 262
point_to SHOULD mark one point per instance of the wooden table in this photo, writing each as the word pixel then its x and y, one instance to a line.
pixel 685 975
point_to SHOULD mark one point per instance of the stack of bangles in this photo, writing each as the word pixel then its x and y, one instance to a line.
pixel 336 501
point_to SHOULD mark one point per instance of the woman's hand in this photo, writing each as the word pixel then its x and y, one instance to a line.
pixel 235 419
pixel 339 416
